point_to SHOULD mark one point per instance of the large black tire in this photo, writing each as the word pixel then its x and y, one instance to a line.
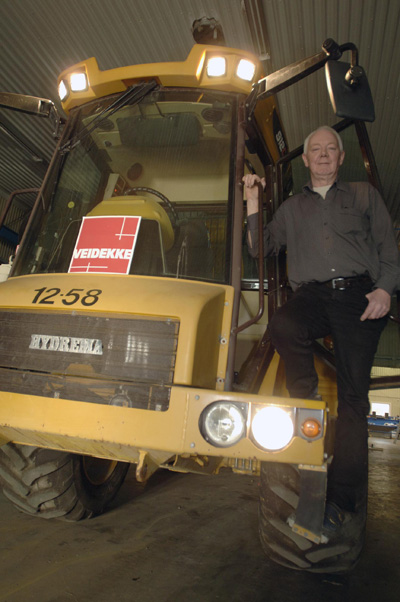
pixel 279 495
pixel 54 484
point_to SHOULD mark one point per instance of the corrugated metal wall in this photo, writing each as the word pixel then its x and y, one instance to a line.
pixel 297 29
pixel 41 38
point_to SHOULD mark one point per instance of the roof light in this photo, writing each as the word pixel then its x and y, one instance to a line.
pixel 216 66
pixel 62 90
pixel 201 65
pixel 78 82
pixel 272 428
pixel 245 70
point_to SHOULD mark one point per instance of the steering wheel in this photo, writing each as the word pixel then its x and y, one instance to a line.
pixel 161 196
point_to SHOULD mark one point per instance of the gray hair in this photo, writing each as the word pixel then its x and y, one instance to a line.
pixel 323 127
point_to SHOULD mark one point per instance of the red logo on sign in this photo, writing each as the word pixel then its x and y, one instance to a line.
pixel 105 245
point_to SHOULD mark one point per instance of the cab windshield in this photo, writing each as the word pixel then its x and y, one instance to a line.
pixel 165 160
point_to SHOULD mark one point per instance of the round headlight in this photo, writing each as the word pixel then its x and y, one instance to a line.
pixel 223 424
pixel 272 428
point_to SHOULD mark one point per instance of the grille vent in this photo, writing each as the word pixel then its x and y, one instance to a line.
pixel 132 358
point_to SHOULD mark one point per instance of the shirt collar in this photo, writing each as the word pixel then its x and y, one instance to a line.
pixel 338 184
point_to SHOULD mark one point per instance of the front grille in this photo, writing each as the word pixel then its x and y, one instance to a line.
pixel 89 358
pixel 106 392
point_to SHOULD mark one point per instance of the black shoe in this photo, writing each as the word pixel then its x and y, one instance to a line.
pixel 334 517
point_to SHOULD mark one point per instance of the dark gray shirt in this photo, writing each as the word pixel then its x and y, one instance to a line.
pixel 346 234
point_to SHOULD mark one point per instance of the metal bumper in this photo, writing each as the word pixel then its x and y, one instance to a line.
pixel 124 433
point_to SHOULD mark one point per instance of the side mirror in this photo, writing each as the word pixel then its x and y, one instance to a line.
pixel 349 91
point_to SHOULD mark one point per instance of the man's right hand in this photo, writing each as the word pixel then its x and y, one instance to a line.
pixel 250 185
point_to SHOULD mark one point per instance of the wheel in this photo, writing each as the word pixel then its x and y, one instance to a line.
pixel 279 495
pixel 53 484
pixel 161 196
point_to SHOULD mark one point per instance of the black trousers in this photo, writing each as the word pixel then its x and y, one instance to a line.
pixel 313 312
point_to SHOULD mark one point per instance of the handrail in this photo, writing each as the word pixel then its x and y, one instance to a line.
pixel 10 200
pixel 260 311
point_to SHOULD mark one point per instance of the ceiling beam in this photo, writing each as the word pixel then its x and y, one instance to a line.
pixel 256 20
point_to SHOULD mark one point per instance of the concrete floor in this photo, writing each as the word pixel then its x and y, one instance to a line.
pixel 188 538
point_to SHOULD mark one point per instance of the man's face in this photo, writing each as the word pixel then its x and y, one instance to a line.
pixel 323 157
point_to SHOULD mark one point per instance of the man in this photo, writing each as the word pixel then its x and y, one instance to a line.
pixel 343 266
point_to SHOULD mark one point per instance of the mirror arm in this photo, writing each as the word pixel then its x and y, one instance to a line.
pixel 354 52
pixel 285 77
pixel 41 107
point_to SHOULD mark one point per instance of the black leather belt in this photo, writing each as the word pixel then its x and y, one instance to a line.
pixel 340 284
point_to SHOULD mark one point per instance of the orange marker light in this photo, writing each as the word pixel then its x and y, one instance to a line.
pixel 311 428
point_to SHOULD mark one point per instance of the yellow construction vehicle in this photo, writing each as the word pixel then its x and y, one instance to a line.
pixel 132 323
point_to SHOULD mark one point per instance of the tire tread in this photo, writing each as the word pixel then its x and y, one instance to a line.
pixel 279 487
pixel 51 484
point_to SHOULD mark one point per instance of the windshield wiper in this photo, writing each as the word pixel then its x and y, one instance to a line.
pixel 133 95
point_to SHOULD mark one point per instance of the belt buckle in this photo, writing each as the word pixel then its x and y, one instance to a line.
pixel 338 284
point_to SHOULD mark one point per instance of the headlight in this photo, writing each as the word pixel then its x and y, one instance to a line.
pixel 246 70
pixel 78 82
pixel 223 423
pixel 62 91
pixel 216 66
pixel 272 428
